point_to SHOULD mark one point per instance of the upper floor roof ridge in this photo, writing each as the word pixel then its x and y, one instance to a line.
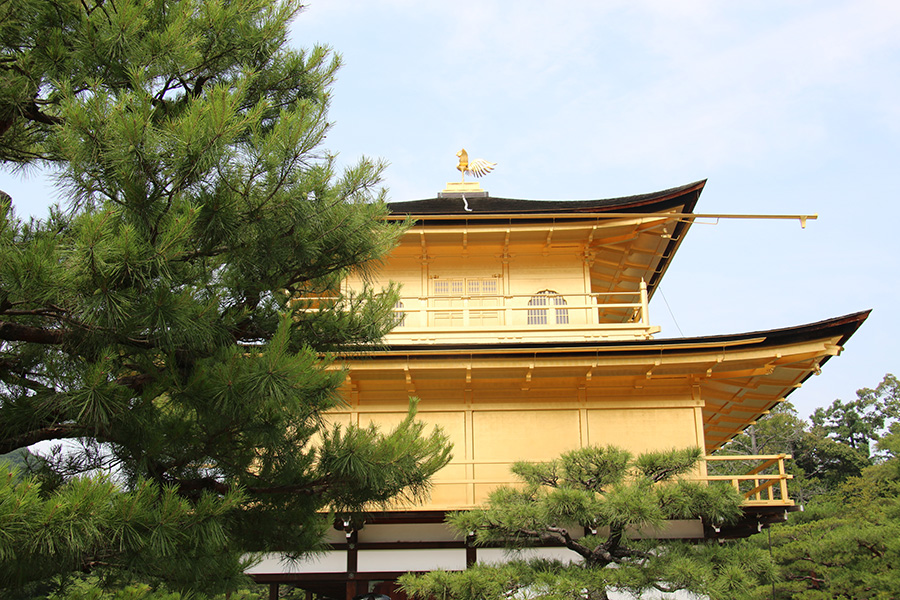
pixel 461 204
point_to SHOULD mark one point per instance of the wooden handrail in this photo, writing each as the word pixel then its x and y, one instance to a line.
pixel 761 482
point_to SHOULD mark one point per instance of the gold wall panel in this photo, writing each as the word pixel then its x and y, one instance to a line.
pixel 512 435
pixel 642 429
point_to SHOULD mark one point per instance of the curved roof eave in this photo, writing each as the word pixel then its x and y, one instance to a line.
pixel 843 326
pixel 453 205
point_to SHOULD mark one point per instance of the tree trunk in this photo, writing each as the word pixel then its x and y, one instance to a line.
pixel 751 431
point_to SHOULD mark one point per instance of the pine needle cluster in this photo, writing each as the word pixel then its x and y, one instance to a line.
pixel 177 322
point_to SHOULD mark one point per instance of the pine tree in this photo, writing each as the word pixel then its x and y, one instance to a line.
pixel 178 323
pixel 598 503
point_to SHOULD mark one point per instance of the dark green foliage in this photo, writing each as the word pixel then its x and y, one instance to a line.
pixel 824 463
pixel 775 433
pixel 844 545
pixel 91 589
pixel 148 529
pixel 847 543
pixel 179 321
pixel 662 466
pixel 596 502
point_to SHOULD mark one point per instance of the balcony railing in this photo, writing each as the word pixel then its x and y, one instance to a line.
pixel 761 479
pixel 622 315
pixel 765 484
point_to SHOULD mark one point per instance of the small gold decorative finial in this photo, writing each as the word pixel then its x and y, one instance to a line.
pixel 477 168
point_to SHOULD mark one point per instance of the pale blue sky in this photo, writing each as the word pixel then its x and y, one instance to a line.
pixel 785 106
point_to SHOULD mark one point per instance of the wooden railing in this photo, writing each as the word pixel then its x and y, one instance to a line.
pixel 765 484
pixel 545 315
pixel 617 314
pixel 761 479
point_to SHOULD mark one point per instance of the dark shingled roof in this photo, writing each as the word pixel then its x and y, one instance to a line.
pixel 453 204
pixel 843 326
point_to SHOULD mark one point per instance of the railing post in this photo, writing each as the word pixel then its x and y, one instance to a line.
pixel 645 302
pixel 782 473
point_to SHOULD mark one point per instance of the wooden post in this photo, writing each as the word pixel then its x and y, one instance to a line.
pixel 356 588
pixel 781 471
pixel 645 303
pixel 352 553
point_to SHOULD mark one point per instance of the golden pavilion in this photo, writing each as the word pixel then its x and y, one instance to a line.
pixel 524 331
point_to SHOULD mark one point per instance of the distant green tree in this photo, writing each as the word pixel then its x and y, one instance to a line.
pixel 825 463
pixel 858 423
pixel 178 323
pixel 777 432
pixel 16 459
pixel 594 501
pixel 889 444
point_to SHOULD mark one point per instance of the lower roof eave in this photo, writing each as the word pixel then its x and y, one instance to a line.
pixel 753 521
pixel 842 327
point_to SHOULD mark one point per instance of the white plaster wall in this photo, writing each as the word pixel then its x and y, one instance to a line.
pixel 334 561
pixel 502 555
pixel 451 559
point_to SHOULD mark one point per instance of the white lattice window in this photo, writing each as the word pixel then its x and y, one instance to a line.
pixel 481 287
pixel 449 287
pixel 399 314
pixel 545 307
pixel 466 301
pixel 458 287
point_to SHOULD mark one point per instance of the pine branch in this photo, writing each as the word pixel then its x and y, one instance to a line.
pixel 190 487
pixel 811 577
pixel 31 112
pixel 879 552
pixel 44 434
pixel 15 332
pixel 154 309
pixel 563 535
pixel 9 374
pixel 615 539
pixel 136 382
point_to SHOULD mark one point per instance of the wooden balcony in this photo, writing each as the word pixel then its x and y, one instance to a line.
pixel 545 316
pixel 764 484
